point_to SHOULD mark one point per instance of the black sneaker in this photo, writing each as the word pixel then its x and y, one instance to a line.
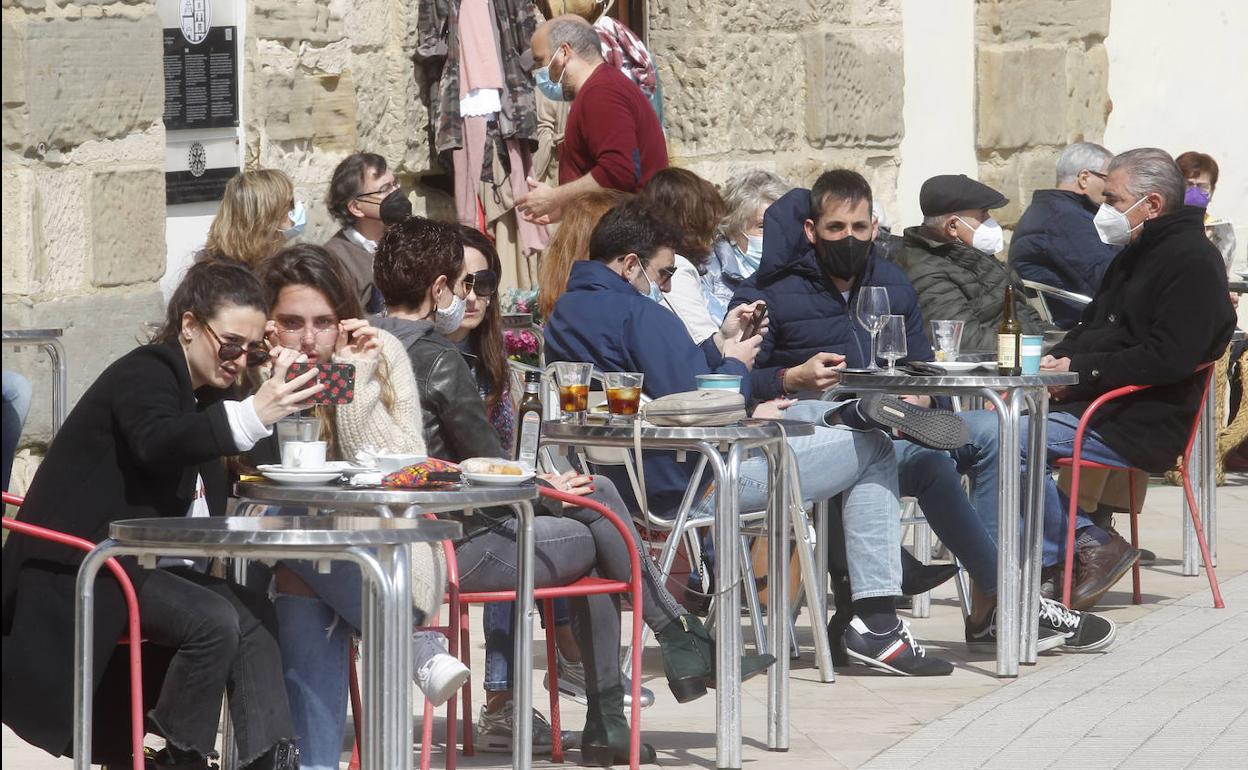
pixel 895 651
pixel 935 428
pixel 984 638
pixel 1084 631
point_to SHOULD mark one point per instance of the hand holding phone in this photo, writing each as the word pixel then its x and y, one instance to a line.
pixel 338 379
pixel 752 326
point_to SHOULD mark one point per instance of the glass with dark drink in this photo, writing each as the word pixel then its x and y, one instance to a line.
pixel 573 380
pixel 623 394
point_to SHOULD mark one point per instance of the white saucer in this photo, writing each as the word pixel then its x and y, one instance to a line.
pixel 959 367
pixel 302 477
pixel 334 466
pixel 498 479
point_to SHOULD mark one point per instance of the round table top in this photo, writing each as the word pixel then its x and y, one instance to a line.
pixel 429 500
pixel 31 335
pixel 1239 286
pixel 968 380
pixel 278 531
pixel 748 429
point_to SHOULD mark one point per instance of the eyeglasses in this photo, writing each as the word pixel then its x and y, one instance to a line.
pixel 665 274
pixel 297 326
pixel 1097 174
pixel 383 190
pixel 483 283
pixel 257 354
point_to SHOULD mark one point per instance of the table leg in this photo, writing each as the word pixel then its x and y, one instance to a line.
pixel 778 593
pixel 728 642
pixel 1007 537
pixel 60 386
pixel 522 734
pixel 1033 526
pixel 1209 471
pixel 396 662
pixel 378 598
pixel 84 650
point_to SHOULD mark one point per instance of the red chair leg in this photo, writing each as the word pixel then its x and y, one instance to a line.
pixel 552 677
pixel 357 709
pixel 1200 538
pixel 1135 538
pixel 465 654
pixel 1068 569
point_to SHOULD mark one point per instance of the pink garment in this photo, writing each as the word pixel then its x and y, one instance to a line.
pixel 479 66
pixel 533 237
pixel 467 161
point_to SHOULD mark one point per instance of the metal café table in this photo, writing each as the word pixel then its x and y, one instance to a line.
pixel 1017 615
pixel 1238 286
pixel 724 449
pixel 50 341
pixel 377 545
pixel 410 503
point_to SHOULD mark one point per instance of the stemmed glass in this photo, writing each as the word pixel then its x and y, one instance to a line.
pixel 871 310
pixel 893 340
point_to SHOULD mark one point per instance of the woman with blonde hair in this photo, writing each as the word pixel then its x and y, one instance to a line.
pixel 571 243
pixel 258 215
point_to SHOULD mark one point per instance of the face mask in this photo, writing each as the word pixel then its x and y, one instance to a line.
pixel 655 293
pixel 299 216
pixel 1196 197
pixel 752 256
pixel 394 208
pixel 988 237
pixel 552 89
pixel 446 321
pixel 844 258
pixel 1113 226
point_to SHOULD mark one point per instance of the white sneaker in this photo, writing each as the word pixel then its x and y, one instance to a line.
pixel 437 673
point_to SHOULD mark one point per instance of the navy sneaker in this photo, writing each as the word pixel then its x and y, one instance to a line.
pixel 984 638
pixel 934 428
pixel 894 651
pixel 1084 632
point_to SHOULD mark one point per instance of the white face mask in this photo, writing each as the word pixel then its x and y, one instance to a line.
pixel 752 256
pixel 1113 226
pixel 988 237
pixel 447 320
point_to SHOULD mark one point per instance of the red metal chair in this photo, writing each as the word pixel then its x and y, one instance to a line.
pixel 1076 463
pixel 459 645
pixel 132 638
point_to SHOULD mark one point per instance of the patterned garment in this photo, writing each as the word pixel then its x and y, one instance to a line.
pixel 438 47
pixel 625 51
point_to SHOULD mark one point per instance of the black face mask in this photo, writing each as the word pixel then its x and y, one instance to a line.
pixel 842 259
pixel 395 207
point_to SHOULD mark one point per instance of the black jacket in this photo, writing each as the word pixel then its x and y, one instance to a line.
pixel 1163 309
pixel 456 426
pixel 1056 243
pixel 131 448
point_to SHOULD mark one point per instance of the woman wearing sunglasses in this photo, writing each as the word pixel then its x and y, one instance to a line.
pixel 146 440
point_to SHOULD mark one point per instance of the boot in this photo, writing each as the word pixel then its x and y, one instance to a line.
pixel 689 658
pixel 840 621
pixel 605 740
pixel 283 756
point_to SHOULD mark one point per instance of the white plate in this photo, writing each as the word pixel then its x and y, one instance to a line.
pixel 958 367
pixel 334 466
pixel 498 479
pixel 284 477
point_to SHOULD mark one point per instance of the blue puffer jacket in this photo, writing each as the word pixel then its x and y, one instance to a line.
pixel 603 320
pixel 1056 243
pixel 808 315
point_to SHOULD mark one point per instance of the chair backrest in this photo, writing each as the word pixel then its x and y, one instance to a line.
pixel 1040 291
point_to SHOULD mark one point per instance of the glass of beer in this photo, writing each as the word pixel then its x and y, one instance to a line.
pixel 623 394
pixel 573 380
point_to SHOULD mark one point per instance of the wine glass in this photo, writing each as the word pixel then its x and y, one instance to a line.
pixel 893 340
pixel 871 309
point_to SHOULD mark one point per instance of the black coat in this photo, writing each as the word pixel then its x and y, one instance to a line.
pixel 1163 309
pixel 131 448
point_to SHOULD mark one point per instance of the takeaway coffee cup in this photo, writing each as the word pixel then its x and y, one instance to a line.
pixel 1032 349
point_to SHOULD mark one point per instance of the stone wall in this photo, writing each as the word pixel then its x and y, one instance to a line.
pixel 1042 75
pixel 84 192
pixel 793 86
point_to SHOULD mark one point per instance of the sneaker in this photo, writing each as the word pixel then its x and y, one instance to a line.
pixel 438 674
pixel 895 651
pixel 934 428
pixel 494 731
pixel 1084 631
pixel 572 684
pixel 984 638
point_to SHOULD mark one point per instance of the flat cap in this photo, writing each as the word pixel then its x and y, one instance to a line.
pixel 947 193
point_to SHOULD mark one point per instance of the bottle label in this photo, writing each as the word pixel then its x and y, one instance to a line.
pixel 1007 351
pixel 530 431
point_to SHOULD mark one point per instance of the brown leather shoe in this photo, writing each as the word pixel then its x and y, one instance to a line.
pixel 1098 568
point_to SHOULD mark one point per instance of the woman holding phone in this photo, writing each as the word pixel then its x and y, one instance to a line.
pixel 147 440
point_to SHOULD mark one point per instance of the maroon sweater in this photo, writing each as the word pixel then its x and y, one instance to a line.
pixel 612 133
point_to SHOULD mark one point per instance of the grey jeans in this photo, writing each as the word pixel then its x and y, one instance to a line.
pixel 580 542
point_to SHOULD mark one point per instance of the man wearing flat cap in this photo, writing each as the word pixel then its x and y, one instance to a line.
pixel 951 260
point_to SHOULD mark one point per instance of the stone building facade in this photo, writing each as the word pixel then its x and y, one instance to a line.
pixel 795 86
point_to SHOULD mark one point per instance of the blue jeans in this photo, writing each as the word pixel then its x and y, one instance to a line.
pixel 17 394
pixel 1060 442
pixel 836 460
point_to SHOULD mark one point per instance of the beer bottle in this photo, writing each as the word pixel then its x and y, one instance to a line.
pixel 529 420
pixel 1009 339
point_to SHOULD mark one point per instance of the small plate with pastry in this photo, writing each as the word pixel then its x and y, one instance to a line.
pixel 494 472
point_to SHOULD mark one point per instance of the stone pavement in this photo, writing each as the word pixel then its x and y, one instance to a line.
pixel 1171 692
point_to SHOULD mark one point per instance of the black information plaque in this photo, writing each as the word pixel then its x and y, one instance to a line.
pixel 201 80
pixel 185 187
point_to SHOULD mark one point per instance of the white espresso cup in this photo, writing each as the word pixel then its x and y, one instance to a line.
pixel 303 454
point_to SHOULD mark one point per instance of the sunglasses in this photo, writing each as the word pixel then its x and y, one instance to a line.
pixel 666 274
pixel 1097 174
pixel 257 354
pixel 483 283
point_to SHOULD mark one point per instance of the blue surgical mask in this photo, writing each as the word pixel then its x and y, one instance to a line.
pixel 299 216
pixel 752 256
pixel 551 89
pixel 655 292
